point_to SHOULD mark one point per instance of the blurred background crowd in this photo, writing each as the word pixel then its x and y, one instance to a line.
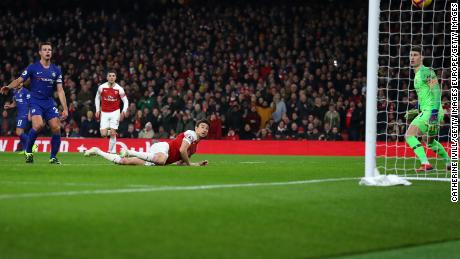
pixel 272 71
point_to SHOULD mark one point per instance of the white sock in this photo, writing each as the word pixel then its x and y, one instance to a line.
pixel 111 157
pixel 112 144
pixel 142 155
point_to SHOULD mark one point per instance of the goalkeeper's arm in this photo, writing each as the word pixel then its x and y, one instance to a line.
pixel 436 93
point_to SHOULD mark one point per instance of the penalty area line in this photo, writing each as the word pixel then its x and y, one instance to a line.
pixel 168 188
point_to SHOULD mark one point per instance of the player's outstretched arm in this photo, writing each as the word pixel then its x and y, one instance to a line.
pixel 13 85
pixel 63 101
pixel 184 152
pixel 201 163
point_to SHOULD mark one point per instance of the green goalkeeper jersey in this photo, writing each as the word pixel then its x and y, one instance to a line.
pixel 428 89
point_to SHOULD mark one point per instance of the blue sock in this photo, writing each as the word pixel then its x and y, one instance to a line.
pixel 55 144
pixel 32 137
pixel 23 139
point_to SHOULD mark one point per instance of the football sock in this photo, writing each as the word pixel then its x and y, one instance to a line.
pixel 31 140
pixel 142 155
pixel 55 144
pixel 418 149
pixel 23 139
pixel 439 149
pixel 111 157
pixel 112 144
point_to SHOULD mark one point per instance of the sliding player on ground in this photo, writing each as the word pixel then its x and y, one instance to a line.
pixel 178 150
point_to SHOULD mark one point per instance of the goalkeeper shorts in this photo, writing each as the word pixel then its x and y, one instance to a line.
pixel 422 120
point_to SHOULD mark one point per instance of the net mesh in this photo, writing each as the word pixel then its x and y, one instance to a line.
pixel 403 25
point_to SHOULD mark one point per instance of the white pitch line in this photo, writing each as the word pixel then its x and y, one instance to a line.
pixel 168 188
pixel 75 184
pixel 49 183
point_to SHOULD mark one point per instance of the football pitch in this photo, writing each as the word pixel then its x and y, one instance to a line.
pixel 237 207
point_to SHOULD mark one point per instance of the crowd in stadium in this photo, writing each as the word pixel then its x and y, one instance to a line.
pixel 272 72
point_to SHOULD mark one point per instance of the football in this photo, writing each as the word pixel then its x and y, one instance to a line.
pixel 421 3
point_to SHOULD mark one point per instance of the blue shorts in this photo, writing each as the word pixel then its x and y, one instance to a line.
pixel 45 108
pixel 22 121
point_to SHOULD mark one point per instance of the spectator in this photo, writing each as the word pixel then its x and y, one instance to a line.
pixel 75 133
pixel 131 132
pixel 138 121
pixel 302 106
pixel 89 126
pixel 294 132
pixel 318 110
pixel 235 118
pixel 155 118
pixel 314 134
pixel 215 129
pixel 147 131
pixel 332 117
pixel 161 134
pixel 197 113
pixel 264 111
pixel 253 119
pixel 6 124
pixel 280 108
pixel 334 135
pixel 281 131
pixel 67 131
pixel 247 134
pixel 231 135
pixel 264 134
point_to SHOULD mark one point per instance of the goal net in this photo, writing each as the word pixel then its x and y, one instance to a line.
pixel 401 26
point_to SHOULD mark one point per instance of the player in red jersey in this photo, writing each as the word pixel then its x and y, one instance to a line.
pixel 109 95
pixel 178 150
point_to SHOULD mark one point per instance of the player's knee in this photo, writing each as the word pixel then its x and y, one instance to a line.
pixel 160 162
pixel 113 134
pixel 37 127
pixel 56 129
pixel 407 135
pixel 19 131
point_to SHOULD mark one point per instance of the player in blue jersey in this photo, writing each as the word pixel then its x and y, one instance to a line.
pixel 21 98
pixel 45 78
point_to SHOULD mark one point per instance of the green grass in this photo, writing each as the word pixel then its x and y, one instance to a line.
pixel 56 218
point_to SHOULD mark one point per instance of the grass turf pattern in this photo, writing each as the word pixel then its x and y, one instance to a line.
pixel 168 215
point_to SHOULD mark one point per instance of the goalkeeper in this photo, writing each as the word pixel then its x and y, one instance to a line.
pixel 426 123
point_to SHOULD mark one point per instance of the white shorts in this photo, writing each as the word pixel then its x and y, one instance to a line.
pixel 159 147
pixel 110 120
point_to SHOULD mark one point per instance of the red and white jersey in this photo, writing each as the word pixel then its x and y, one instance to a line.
pixel 174 145
pixel 110 97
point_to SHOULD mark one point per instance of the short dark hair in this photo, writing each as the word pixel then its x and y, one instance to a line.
pixel 205 121
pixel 43 43
pixel 112 71
pixel 417 48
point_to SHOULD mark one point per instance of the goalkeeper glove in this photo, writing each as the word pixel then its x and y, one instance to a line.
pixel 433 122
pixel 411 114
